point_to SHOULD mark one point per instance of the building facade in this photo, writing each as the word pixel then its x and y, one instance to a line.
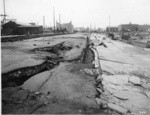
pixel 128 27
pixel 68 27
pixel 14 28
pixel 111 29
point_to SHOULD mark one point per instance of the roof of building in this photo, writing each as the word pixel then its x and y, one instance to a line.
pixel 30 26
pixel 129 25
pixel 112 27
pixel 63 24
pixel 21 24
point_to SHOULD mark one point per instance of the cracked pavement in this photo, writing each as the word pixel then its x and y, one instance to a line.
pixel 125 77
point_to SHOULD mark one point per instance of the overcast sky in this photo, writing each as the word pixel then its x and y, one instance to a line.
pixel 80 12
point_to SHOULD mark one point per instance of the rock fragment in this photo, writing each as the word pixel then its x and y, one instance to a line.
pixel 99 101
pixel 92 72
pixel 99 90
pixel 145 83
pixel 147 93
pixel 117 108
pixel 135 80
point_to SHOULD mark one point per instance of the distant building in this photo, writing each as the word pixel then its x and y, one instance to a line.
pixel 15 28
pixel 82 29
pixel 67 26
pixel 128 27
pixel 148 30
pixel 144 28
pixel 112 29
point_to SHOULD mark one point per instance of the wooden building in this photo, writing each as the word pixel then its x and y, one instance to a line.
pixel 14 28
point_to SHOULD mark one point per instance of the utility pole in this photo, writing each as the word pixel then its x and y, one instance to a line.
pixel 60 20
pixel 44 23
pixel 4 12
pixel 90 29
pixel 4 15
pixel 109 22
pixel 54 18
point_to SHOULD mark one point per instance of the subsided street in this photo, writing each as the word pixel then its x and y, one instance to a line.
pixel 47 75
pixel 78 73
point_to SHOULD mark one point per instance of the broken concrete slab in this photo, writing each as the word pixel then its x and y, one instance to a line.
pixel 12 60
pixel 21 60
pixel 19 54
pixel 145 83
pixel 147 93
pixel 125 77
pixel 38 79
pixel 67 82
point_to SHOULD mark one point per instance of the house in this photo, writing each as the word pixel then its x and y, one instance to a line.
pixel 68 27
pixel 29 29
pixel 16 28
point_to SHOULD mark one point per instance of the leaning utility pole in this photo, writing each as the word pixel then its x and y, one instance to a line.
pixel 54 18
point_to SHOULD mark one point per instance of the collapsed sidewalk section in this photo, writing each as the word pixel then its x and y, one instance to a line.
pixel 124 83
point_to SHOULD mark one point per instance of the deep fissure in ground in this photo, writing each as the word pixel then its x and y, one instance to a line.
pixel 18 76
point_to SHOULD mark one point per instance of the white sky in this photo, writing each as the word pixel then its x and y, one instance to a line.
pixel 80 12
